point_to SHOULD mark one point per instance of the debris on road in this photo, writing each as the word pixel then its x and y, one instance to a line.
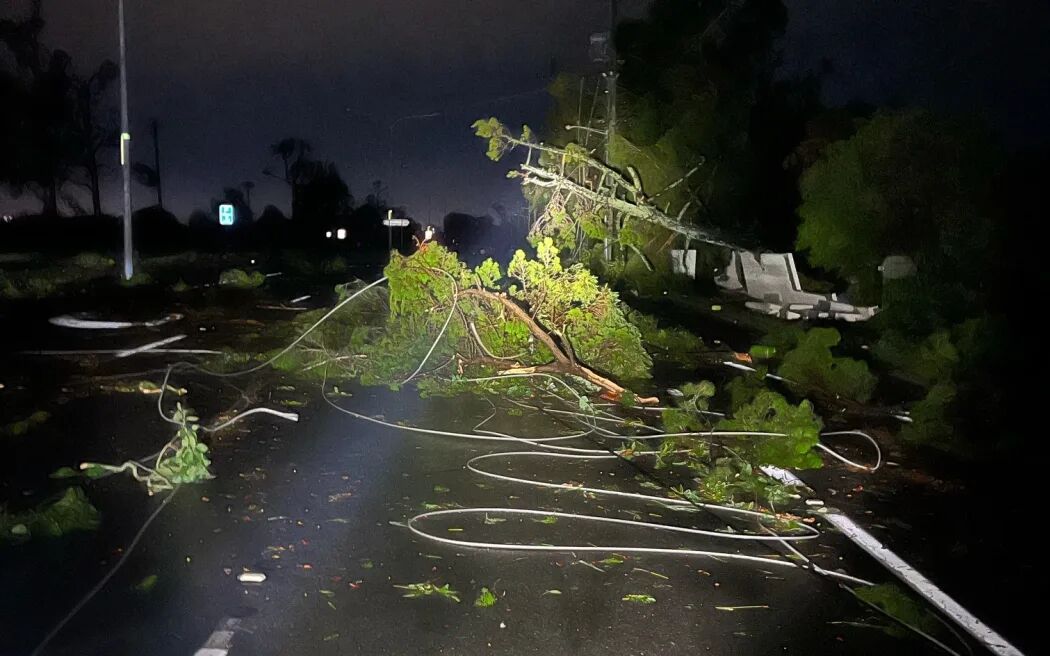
pixel 251 577
pixel 427 589
pixel 485 599
pixel 639 598
pixel 85 322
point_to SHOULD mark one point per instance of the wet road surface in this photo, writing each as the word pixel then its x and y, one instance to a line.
pixel 319 507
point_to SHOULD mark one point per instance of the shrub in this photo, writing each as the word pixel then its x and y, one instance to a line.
pixel 241 279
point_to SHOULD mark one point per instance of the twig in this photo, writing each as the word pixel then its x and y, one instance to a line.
pixel 149 347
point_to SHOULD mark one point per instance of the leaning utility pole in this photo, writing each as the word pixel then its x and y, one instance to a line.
pixel 610 115
pixel 125 147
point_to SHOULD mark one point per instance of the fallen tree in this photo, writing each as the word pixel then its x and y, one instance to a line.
pixel 440 318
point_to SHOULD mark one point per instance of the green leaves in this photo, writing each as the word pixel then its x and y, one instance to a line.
pixel 901 606
pixel 571 302
pixel 182 460
pixel 189 463
pixel 23 426
pixel 241 279
pixel 811 364
pixel 428 589
pixel 906 183
pixel 770 412
pixel 492 130
pixel 486 599
pixel 488 273
pixel 639 598
pixel 70 512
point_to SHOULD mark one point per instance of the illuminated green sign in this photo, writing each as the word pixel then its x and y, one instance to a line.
pixel 227 214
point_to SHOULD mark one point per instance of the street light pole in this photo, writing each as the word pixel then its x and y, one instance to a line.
pixel 125 147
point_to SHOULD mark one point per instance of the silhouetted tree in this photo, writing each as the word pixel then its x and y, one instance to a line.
pixel 248 186
pixel 377 194
pixel 93 132
pixel 271 215
pixel 150 176
pixel 293 153
pixel 53 126
pixel 321 193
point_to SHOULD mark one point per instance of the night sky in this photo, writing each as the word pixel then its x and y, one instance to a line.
pixel 226 78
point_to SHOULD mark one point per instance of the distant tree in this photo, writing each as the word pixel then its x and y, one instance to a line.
pixel 293 153
pixel 44 144
pixel 199 219
pixel 377 194
pixel 248 186
pixel 53 127
pixel 271 215
pixel 321 193
pixel 147 175
pixel 94 131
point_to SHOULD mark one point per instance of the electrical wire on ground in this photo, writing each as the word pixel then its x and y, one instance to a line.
pixel 544 447
pixel 105 579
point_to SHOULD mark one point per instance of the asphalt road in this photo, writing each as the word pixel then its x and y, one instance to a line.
pixel 319 507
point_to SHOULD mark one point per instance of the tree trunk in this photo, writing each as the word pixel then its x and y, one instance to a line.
pixel 563 364
pixel 93 181
pixel 51 198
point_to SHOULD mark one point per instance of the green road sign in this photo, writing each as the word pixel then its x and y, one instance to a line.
pixel 227 214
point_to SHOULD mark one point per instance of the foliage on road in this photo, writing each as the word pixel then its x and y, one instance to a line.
pixel 726 468
pixel 901 606
pixel 23 426
pixel 70 512
pixel 428 589
pixel 807 357
pixel 241 279
pixel 59 277
pixel 182 460
pixel 535 316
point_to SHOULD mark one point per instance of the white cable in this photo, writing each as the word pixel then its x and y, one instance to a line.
pixel 290 416
pixel 451 313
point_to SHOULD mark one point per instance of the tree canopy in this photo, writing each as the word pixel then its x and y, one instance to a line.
pixel 907 183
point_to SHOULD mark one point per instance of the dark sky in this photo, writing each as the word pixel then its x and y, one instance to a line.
pixel 228 77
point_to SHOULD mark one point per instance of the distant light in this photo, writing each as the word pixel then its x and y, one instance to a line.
pixel 328 235
pixel 340 233
pixel 8 218
pixel 253 261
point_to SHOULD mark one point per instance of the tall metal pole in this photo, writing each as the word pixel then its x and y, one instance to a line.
pixel 125 148
pixel 610 118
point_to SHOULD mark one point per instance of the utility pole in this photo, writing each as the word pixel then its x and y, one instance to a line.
pixel 125 147
pixel 610 115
